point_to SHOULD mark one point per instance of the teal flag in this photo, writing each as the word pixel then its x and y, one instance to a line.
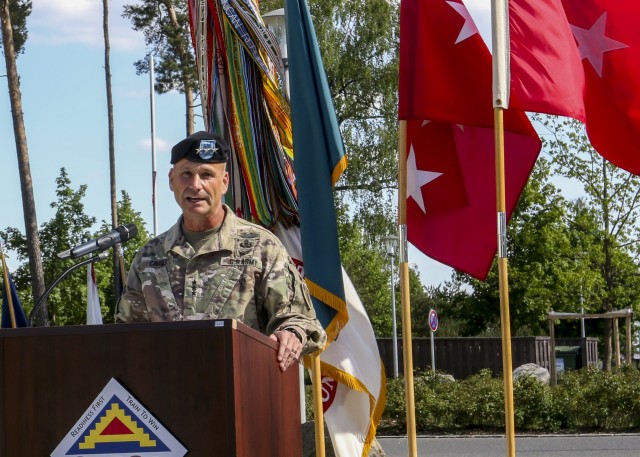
pixel 319 161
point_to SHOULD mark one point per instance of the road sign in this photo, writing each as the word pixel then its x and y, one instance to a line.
pixel 433 320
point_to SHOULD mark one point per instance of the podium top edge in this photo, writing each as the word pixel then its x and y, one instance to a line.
pixel 117 328
pixel 139 327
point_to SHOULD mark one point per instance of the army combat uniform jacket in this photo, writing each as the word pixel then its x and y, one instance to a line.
pixel 243 272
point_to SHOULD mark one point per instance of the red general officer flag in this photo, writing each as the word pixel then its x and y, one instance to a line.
pixel 584 65
pixel 445 68
pixel 445 78
pixel 464 235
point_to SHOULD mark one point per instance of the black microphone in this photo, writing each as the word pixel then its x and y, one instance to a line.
pixel 119 234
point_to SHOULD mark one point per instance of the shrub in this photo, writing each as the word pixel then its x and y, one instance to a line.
pixel 534 406
pixel 434 396
pixel 583 400
pixel 598 400
pixel 481 401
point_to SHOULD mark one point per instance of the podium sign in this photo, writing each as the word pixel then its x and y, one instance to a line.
pixel 214 385
pixel 116 424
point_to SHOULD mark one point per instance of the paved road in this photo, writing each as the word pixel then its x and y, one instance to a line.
pixel 626 445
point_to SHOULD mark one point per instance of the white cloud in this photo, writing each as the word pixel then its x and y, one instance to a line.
pixel 136 94
pixel 59 22
pixel 161 145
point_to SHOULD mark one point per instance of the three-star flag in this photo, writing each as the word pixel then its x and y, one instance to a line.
pixel 592 43
pixel 584 66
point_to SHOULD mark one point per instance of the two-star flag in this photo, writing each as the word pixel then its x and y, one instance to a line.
pixel 584 65
pixel 445 96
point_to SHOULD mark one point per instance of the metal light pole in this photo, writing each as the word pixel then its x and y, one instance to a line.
pixel 154 173
pixel 582 330
pixel 579 258
pixel 275 21
pixel 391 243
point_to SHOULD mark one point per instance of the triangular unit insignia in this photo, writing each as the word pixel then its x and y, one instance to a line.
pixel 117 424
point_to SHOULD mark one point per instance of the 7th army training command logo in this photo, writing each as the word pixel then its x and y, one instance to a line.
pixel 116 424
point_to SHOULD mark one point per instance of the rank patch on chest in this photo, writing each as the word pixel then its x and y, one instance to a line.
pixel 157 263
pixel 239 262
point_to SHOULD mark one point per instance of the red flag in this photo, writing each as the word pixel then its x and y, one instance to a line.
pixel 445 77
pixel 443 63
pixel 584 65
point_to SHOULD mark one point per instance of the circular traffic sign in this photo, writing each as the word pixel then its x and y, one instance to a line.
pixel 433 320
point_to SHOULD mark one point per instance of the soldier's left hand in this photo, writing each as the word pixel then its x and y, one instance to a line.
pixel 289 348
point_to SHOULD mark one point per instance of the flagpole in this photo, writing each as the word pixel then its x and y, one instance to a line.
pixel 7 289
pixel 317 404
pixel 505 319
pixel 403 265
pixel 501 91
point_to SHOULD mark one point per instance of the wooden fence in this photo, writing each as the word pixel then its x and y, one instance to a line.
pixel 463 357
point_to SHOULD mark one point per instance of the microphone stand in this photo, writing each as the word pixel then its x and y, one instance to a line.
pixel 36 308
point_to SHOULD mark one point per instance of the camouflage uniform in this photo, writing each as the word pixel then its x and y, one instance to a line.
pixel 243 272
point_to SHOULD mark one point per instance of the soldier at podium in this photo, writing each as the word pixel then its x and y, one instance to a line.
pixel 214 265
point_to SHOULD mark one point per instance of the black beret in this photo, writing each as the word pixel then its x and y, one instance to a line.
pixel 201 147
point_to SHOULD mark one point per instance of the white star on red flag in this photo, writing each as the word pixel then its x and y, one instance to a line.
pixel 592 43
pixel 469 28
pixel 416 179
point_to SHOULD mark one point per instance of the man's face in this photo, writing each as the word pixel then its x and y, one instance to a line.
pixel 198 189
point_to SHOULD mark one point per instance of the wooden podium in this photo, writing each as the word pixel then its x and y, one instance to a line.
pixel 214 385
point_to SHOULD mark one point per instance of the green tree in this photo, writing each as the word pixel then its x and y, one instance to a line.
pixel 369 272
pixel 19 11
pixel 612 196
pixel 558 259
pixel 449 300
pixel 359 45
pixel 68 227
pixel 104 274
pixel 543 270
pixel 165 25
